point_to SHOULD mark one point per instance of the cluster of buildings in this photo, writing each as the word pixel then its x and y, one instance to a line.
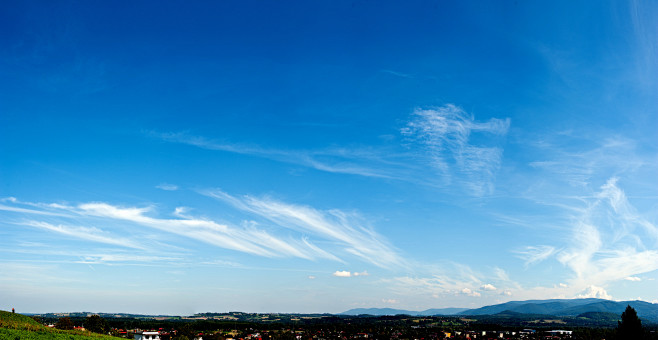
pixel 529 334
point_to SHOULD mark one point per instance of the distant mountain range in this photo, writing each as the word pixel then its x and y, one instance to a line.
pixel 391 311
pixel 556 307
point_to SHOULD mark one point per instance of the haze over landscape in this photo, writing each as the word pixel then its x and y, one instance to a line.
pixel 310 157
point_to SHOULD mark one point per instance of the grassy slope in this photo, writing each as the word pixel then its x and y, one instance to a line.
pixel 21 327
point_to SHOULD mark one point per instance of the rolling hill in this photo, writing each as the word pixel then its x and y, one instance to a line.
pixel 17 326
pixel 391 311
pixel 557 307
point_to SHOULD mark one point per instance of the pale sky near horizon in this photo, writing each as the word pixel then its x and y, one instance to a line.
pixel 317 156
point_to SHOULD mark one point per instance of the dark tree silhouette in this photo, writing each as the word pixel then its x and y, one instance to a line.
pixel 185 332
pixel 630 326
pixel 95 324
pixel 64 323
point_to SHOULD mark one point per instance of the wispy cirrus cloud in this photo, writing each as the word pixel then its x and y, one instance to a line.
pixel 566 160
pixel 104 258
pixel 438 151
pixel 436 286
pixel 609 241
pixel 535 254
pixel 397 74
pixel 450 280
pixel 248 240
pixel 85 233
pixel 167 187
pixel 363 162
pixel 31 208
pixel 344 229
pixel 444 134
pixel 342 234
pixel 633 279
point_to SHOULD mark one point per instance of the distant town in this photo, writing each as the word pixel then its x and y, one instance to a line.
pixel 238 325
pixel 586 319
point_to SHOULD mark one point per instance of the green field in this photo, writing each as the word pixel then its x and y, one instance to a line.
pixel 21 327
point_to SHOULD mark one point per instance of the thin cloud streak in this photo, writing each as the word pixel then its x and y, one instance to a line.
pixel 437 152
pixel 85 233
pixel 344 161
pixel 609 242
pixel 167 187
pixel 532 255
pixel 451 281
pixel 443 136
pixel 28 211
pixel 334 225
pixel 253 241
pixel 56 254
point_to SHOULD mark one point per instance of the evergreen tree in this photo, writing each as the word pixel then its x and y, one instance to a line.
pixel 630 326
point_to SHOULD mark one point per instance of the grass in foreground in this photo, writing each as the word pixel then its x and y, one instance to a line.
pixel 21 327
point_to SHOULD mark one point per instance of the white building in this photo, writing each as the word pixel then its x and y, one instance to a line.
pixel 559 332
pixel 147 335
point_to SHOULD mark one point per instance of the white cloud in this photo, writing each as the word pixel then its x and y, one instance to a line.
pixel 346 229
pixel 390 301
pixel 444 133
pixel 86 233
pixel 581 167
pixel 469 292
pixel 395 73
pixel 501 275
pixel 56 253
pixel 442 152
pixel 506 293
pixel 223 263
pixel 535 254
pixel 342 273
pixel 563 285
pixel 167 187
pixel 248 239
pixel 181 212
pixel 363 162
pixel 311 277
pixel 28 211
pixel 341 233
pixel 594 292
pixel 488 287
pixel 633 278
pixel 449 280
pixel 115 257
pixel 608 241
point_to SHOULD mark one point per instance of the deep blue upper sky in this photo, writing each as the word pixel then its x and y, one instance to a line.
pixel 318 156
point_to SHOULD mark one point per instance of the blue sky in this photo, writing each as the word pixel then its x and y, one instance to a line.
pixel 312 156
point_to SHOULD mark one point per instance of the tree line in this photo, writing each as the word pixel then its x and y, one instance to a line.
pixel 629 327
